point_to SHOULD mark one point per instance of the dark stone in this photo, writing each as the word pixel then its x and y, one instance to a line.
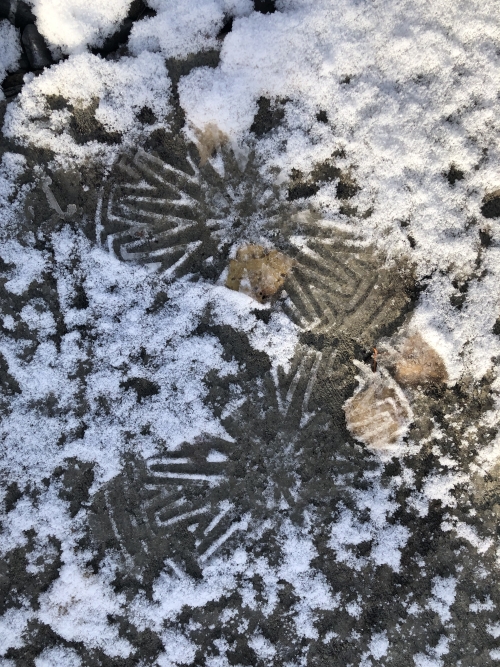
pixel 117 39
pixel 23 62
pixel 454 175
pixel 35 48
pixel 264 6
pixel 4 9
pixel 138 9
pixel 496 327
pixel 13 84
pixel 112 43
pixel 491 205
pixel 322 117
pixel 24 15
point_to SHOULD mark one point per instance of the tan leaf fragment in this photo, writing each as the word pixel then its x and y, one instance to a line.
pixel 257 272
pixel 208 141
pixel 419 364
pixel 378 414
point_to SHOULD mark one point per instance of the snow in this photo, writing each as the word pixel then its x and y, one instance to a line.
pixel 468 533
pixel 73 25
pixel 77 606
pixel 10 50
pixel 379 645
pixel 175 416
pixel 180 650
pixel 12 625
pixel 113 91
pixel 179 29
pixel 443 596
pixel 389 121
pixel 262 647
pixel 387 540
pixel 409 89
pixel 58 656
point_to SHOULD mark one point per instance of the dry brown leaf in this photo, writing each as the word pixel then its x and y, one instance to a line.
pixel 378 415
pixel 208 141
pixel 418 363
pixel 257 272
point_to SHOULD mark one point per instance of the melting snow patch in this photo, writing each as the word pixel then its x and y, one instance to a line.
pixel 493 630
pixel 12 625
pixel 386 539
pixel 10 49
pixel 77 607
pixel 180 651
pixel 262 647
pixel 179 29
pixel 72 25
pixel 55 657
pixel 468 533
pixel 110 93
pixel 443 596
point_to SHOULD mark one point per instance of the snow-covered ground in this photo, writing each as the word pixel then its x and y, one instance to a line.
pixel 145 406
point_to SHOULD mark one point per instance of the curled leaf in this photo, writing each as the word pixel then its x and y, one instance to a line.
pixel 418 363
pixel 257 272
pixel 378 414
pixel 208 141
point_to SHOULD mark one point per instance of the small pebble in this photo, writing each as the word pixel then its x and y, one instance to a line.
pixel 35 47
